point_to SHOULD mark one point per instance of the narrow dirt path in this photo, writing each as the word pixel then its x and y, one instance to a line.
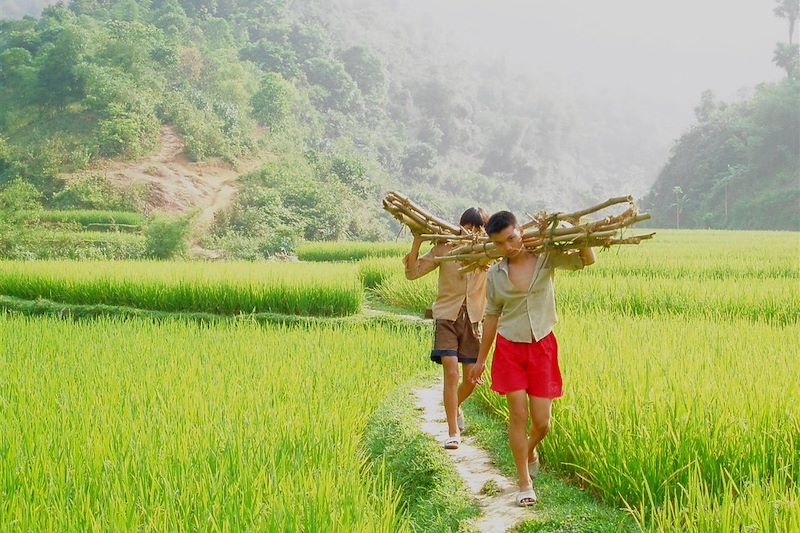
pixel 474 466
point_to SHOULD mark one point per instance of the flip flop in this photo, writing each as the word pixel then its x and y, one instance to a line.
pixel 452 443
pixel 526 498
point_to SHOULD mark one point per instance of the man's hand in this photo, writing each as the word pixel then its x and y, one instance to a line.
pixel 587 256
pixel 475 375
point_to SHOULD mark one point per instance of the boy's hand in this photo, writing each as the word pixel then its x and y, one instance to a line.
pixel 476 373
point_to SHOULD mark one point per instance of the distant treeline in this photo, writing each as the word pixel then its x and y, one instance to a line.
pixel 347 97
pixel 738 167
pixel 97 78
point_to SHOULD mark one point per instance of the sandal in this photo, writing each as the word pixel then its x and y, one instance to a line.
pixel 452 443
pixel 460 420
pixel 526 498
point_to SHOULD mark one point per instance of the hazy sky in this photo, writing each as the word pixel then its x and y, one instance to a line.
pixel 671 50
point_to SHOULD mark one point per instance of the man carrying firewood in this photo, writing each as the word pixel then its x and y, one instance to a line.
pixel 521 313
pixel 457 312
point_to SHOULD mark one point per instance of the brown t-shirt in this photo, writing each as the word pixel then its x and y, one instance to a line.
pixel 454 288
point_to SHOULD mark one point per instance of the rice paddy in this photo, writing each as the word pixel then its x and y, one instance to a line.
pixel 680 358
pixel 111 425
pixel 224 288
pixel 350 250
pixel 86 218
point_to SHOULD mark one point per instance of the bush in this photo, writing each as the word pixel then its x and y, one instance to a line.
pixel 126 132
pixel 96 192
pixel 167 236
pixel 19 195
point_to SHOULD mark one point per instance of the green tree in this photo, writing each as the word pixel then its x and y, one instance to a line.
pixel 341 92
pixel 789 10
pixel 272 57
pixel 707 106
pixel 366 69
pixel 680 202
pixel 273 102
pixel 787 55
pixel 19 195
pixel 171 18
pixel 167 236
pixel 59 82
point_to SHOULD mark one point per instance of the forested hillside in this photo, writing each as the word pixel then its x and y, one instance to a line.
pixel 738 167
pixel 342 100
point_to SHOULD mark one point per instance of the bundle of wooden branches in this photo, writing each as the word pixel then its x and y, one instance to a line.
pixel 545 232
pixel 419 221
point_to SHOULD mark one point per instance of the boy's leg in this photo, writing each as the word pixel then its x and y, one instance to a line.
pixel 517 437
pixel 466 387
pixel 451 393
pixel 541 410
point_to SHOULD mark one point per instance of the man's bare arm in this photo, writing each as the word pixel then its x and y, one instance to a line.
pixel 489 333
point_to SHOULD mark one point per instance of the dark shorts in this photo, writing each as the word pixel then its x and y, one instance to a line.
pixel 457 338
pixel 529 366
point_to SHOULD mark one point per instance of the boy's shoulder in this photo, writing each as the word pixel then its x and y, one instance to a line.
pixel 495 268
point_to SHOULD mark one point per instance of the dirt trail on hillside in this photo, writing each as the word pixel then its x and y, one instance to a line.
pixel 475 467
pixel 176 185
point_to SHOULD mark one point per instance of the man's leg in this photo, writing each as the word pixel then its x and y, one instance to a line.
pixel 541 409
pixel 517 438
pixel 451 393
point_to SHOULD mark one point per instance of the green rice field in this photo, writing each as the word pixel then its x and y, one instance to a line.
pixel 110 425
pixel 681 360
pixel 225 288
pixel 86 218
pixel 350 250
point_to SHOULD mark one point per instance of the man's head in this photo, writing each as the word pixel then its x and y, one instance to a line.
pixel 473 218
pixel 505 233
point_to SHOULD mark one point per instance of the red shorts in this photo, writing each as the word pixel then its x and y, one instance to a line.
pixel 528 366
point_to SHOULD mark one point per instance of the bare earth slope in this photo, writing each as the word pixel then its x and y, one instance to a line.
pixel 175 184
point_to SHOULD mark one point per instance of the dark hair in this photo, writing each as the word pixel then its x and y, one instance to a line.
pixel 500 221
pixel 475 216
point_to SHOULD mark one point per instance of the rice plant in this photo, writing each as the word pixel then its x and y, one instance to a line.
pixel 224 288
pixel 111 425
pixel 373 272
pixel 350 250
pixel 85 217
pixel 683 421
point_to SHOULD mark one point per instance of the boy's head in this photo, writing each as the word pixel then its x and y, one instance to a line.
pixel 473 218
pixel 505 233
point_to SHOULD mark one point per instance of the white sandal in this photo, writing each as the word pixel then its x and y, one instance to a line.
pixel 452 443
pixel 460 420
pixel 526 498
